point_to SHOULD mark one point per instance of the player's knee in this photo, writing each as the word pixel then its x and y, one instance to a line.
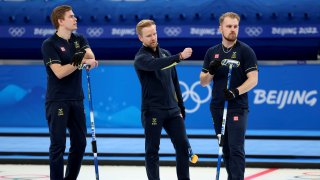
pixel 237 150
pixel 83 144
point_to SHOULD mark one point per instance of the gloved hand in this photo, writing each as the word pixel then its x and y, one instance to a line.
pixel 230 94
pixel 213 66
pixel 182 110
pixel 77 57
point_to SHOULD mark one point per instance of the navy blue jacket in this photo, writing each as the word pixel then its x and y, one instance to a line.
pixel 56 50
pixel 158 78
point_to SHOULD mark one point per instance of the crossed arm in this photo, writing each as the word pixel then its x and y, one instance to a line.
pixel 62 71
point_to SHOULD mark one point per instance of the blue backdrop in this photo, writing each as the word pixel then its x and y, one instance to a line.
pixel 286 97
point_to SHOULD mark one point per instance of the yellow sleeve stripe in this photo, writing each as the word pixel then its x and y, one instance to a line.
pixel 53 62
pixel 173 64
pixel 206 70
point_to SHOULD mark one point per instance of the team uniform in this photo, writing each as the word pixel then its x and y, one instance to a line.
pixel 64 106
pixel 161 99
pixel 237 114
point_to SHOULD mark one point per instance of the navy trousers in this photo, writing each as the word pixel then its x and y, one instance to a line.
pixel 63 115
pixel 234 138
pixel 153 121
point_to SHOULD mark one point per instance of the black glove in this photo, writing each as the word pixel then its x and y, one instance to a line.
pixel 77 57
pixel 213 66
pixel 182 110
pixel 230 94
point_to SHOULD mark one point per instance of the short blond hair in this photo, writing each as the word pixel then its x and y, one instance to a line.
pixel 142 24
pixel 231 15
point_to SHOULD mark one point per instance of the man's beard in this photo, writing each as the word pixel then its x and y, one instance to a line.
pixel 231 38
pixel 153 44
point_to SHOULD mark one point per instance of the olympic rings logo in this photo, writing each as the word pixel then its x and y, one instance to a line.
pixel 172 31
pixel 253 31
pixel 94 32
pixel 195 97
pixel 16 31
